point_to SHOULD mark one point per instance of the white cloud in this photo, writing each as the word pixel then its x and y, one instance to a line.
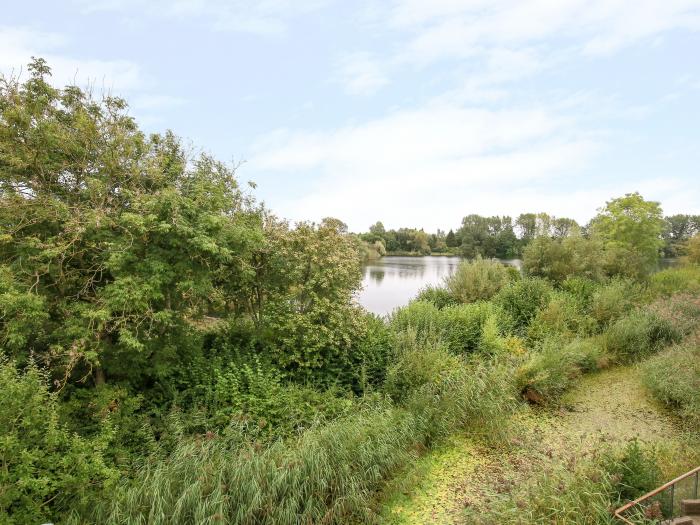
pixel 18 45
pixel 506 40
pixel 360 73
pixel 262 17
pixel 446 28
pixel 424 167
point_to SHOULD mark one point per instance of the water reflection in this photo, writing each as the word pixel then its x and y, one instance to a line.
pixel 391 282
pixel 376 274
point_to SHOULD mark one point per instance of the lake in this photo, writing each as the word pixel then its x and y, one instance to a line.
pixel 391 282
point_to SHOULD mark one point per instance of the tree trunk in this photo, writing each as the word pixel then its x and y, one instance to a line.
pixel 100 378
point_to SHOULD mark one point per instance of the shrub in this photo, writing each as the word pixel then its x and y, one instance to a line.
pixel 673 377
pixel 681 311
pixel 582 289
pixel 424 318
pixel 479 279
pixel 562 317
pixel 327 475
pixel 559 259
pixel 581 492
pixel 371 353
pixel 417 365
pixel 521 300
pixel 614 299
pixel 463 325
pixel 675 280
pixel 634 470
pixel 550 371
pixel 693 249
pixel 46 472
pixel 257 393
pixel 437 295
pixel 638 335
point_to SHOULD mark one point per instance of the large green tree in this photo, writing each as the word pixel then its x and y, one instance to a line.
pixel 630 229
pixel 114 244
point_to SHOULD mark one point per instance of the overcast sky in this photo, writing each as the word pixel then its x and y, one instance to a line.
pixel 413 112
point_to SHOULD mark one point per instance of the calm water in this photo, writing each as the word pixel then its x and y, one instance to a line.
pixel 391 282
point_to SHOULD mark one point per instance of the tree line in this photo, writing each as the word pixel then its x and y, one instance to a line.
pixel 505 238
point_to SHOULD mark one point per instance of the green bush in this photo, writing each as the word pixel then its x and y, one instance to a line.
pixel 614 299
pixel 639 334
pixel 372 350
pixel 673 377
pixel 559 259
pixel 582 289
pixel 417 365
pixel 460 327
pixel 562 317
pixel 479 279
pixel 551 370
pixel 257 393
pixel 437 295
pixel 420 316
pixel 328 474
pixel 681 311
pixel 521 300
pixel 674 280
pixel 463 325
pixel 46 471
pixel 635 470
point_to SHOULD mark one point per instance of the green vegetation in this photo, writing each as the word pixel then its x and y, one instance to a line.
pixel 171 352
pixel 476 280
pixel 630 229
pixel 674 378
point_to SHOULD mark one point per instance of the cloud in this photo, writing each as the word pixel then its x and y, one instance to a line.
pixel 262 17
pixel 18 45
pixel 503 41
pixel 424 167
pixel 448 28
pixel 360 74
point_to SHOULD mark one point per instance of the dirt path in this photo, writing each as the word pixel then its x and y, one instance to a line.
pixel 450 485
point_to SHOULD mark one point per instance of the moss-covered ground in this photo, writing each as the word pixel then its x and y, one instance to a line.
pixel 455 483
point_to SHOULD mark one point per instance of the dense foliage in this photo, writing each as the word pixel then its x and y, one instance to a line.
pixel 173 353
pixel 561 241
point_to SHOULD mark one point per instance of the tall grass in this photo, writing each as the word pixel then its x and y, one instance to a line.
pixel 581 492
pixel 552 369
pixel 684 279
pixel 477 280
pixel 461 327
pixel 638 335
pixel 329 474
pixel 614 300
pixel 673 377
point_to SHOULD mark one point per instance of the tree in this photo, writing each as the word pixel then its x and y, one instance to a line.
pixel 526 224
pixel 451 239
pixel 693 249
pixel 557 259
pixel 114 244
pixel 678 230
pixel 630 229
pixel 377 229
pixel 564 227
pixel 309 319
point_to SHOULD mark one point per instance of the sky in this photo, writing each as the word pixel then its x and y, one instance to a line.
pixel 412 112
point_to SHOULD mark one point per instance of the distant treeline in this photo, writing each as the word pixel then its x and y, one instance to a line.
pixel 505 238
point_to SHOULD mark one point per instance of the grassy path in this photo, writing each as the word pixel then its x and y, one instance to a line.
pixel 452 484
